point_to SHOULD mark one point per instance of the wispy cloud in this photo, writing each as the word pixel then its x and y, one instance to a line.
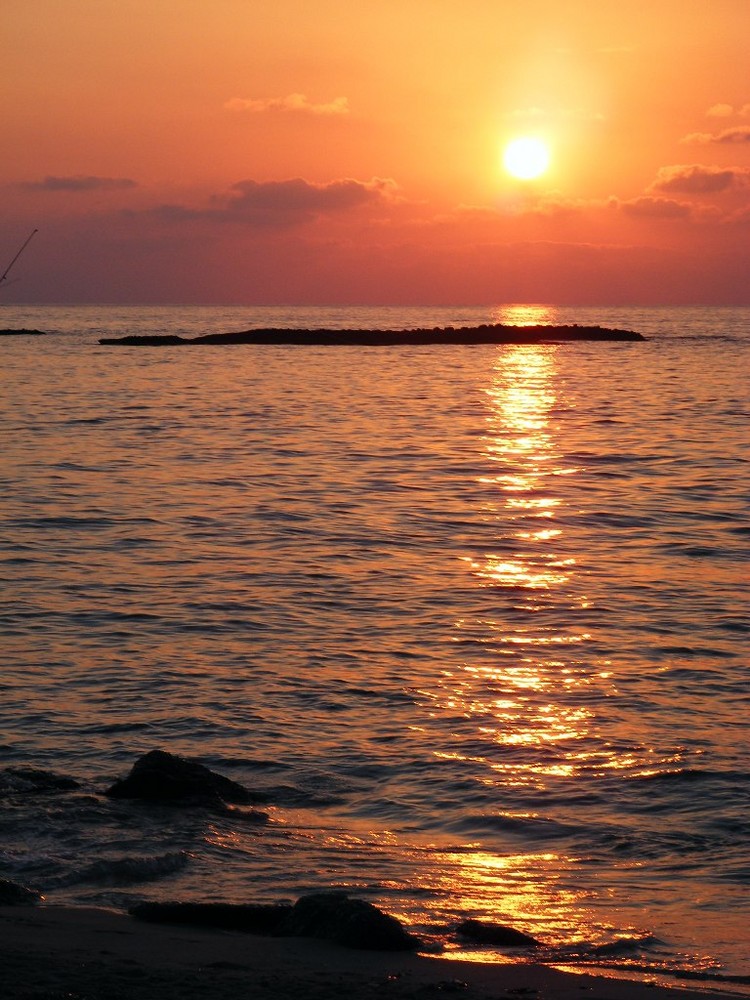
pixel 292 103
pixel 720 111
pixel 728 111
pixel 81 184
pixel 739 134
pixel 696 179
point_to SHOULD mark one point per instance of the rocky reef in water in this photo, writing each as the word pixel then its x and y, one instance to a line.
pixel 495 333
pixel 22 333
pixel 168 779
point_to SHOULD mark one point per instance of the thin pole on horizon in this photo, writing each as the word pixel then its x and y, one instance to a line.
pixel 6 272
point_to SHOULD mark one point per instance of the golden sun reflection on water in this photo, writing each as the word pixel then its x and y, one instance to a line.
pixel 519 890
pixel 524 314
pixel 522 889
pixel 519 698
pixel 513 688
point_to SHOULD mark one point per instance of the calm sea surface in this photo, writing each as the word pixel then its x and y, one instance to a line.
pixel 475 618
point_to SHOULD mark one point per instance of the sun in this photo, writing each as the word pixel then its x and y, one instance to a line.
pixel 526 158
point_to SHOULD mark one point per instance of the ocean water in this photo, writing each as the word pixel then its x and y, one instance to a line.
pixel 474 618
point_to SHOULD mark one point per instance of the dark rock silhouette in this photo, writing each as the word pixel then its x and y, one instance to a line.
pixel 22 333
pixel 495 333
pixel 355 923
pixel 164 777
pixel 495 934
pixel 13 894
pixel 328 916
pixel 146 340
pixel 33 780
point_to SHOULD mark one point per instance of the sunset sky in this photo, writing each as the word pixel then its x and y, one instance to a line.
pixel 325 151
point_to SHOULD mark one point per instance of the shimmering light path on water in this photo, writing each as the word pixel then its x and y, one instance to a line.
pixel 474 618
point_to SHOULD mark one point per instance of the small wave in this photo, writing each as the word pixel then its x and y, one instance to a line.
pixel 76 467
pixel 127 870
pixel 135 542
pixel 295 797
pixel 533 827
pixel 64 522
pixel 24 780
pixel 627 946
pixel 687 775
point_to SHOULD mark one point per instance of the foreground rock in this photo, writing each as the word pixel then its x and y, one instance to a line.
pixel 326 916
pixel 22 333
pixel 486 334
pixel 163 777
pixel 13 894
pixel 354 923
pixel 495 934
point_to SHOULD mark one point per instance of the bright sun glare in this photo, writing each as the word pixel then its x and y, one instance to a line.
pixel 526 158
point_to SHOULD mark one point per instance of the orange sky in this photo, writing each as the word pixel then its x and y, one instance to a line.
pixel 246 151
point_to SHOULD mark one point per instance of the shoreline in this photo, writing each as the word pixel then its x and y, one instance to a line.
pixel 49 951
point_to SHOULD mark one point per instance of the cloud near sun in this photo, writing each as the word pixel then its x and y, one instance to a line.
pixel 739 134
pixel 697 179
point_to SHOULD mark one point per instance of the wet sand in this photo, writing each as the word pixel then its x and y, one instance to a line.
pixel 51 953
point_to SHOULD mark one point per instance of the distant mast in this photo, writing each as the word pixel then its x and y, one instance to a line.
pixel 6 272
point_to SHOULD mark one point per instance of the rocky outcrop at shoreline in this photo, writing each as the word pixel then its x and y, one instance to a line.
pixel 15 894
pixel 163 777
pixel 325 916
pixel 499 935
pixel 458 336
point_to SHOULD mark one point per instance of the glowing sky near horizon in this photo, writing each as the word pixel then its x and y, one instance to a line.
pixel 336 153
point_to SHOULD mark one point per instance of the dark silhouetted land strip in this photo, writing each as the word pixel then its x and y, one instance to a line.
pixel 461 336
pixel 21 333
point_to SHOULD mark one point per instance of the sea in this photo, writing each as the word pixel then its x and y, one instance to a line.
pixel 474 619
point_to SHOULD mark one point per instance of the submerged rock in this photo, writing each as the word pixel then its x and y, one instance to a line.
pixel 328 916
pixel 33 780
pixel 355 923
pixel 495 934
pixel 13 894
pixel 164 777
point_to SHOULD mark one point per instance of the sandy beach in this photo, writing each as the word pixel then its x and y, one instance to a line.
pixel 50 953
